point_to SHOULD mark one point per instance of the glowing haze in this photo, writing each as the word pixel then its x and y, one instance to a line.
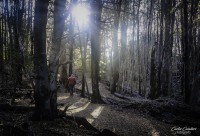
pixel 81 14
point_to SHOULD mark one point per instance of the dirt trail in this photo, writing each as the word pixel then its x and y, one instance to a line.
pixel 124 122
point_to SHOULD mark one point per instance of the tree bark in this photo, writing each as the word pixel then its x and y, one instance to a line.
pixel 59 22
pixel 167 51
pixel 194 40
pixel 42 89
pixel 95 49
pixel 71 33
pixel 83 50
pixel 160 50
pixel 115 76
pixel 138 48
pixel 1 54
pixel 153 89
pixel 186 52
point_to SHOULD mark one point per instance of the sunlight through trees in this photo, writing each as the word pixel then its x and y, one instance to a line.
pixel 81 14
pixel 138 48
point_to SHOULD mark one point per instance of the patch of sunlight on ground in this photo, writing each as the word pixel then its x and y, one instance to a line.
pixel 62 98
pixel 82 104
pixel 95 113
pixel 155 133
pixel 90 120
pixel 79 103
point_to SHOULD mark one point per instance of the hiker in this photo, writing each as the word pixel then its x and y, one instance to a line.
pixel 71 83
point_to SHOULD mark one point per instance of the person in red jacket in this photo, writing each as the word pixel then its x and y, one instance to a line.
pixel 71 83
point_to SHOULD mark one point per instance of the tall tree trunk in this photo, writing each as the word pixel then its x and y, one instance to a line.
pixel 71 33
pixel 195 57
pixel 138 48
pixel 83 50
pixel 17 49
pixel 9 22
pixel 5 44
pixel 42 90
pixel 160 50
pixel 63 68
pixel 124 25
pixel 132 49
pixel 167 51
pixel 186 52
pixel 115 66
pixel 123 60
pixel 1 55
pixel 153 89
pixel 59 21
pixel 95 49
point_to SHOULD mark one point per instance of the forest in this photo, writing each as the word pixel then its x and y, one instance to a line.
pixel 136 64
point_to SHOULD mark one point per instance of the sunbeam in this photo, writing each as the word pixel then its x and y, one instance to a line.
pixel 81 14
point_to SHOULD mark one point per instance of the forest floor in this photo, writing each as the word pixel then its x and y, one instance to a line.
pixel 123 122
pixel 120 115
pixel 127 116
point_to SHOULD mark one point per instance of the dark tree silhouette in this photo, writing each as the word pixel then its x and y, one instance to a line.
pixel 59 22
pixel 42 93
pixel 95 48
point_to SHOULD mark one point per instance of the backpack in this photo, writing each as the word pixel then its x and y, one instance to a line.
pixel 71 81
